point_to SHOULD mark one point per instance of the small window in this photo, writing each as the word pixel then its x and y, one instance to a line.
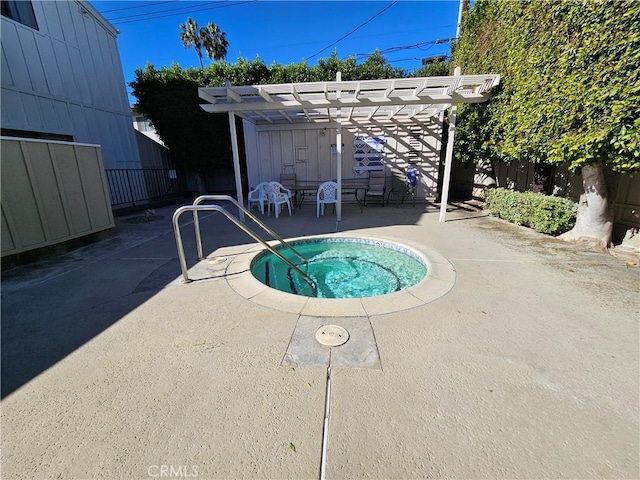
pixel 20 11
pixel 9 132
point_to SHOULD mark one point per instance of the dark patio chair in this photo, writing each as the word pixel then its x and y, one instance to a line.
pixel 288 180
pixel 402 186
pixel 377 186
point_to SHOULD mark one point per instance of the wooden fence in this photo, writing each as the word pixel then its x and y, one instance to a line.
pixel 525 176
pixel 52 192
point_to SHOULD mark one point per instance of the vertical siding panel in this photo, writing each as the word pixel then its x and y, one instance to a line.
pixel 326 163
pixel 64 117
pixel 264 155
pixel 80 124
pixel 92 176
pixel 109 71
pixel 6 78
pixel 64 73
pixel 33 59
pixel 12 111
pixel 16 61
pixel 276 154
pixel 52 72
pixel 66 12
pixel 18 195
pixel 324 152
pixel 50 119
pixel 111 137
pixel 73 191
pixel 40 167
pixel 52 15
pixel 6 238
pixel 286 155
pixel 310 141
pixel 32 111
pixel 83 85
pixel 59 181
pixel 127 145
pixel 87 38
pixel 35 188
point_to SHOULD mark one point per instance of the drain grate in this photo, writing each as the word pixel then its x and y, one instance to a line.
pixel 332 335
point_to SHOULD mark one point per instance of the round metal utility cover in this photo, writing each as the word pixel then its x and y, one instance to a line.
pixel 332 335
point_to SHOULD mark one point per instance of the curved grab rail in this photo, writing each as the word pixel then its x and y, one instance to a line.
pixel 196 224
pixel 218 208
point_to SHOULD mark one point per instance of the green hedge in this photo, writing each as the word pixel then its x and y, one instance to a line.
pixel 543 213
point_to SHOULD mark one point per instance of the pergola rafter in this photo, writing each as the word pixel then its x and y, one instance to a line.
pixel 379 100
pixel 393 101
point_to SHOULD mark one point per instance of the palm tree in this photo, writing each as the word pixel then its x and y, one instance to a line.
pixel 214 41
pixel 190 37
pixel 210 37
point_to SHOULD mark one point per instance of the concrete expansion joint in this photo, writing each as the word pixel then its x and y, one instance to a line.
pixel 325 429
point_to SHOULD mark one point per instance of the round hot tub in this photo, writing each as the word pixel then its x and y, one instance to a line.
pixel 341 267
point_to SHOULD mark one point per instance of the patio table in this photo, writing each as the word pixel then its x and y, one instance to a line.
pixel 310 189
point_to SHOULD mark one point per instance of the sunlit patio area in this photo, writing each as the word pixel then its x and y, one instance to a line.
pixel 520 362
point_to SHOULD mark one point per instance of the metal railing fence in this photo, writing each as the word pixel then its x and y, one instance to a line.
pixel 144 185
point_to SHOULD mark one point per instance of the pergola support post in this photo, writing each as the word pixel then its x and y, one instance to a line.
pixel 444 198
pixel 236 163
pixel 339 154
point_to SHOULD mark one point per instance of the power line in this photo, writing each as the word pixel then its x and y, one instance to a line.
pixel 413 58
pixel 146 14
pixel 419 46
pixel 354 30
pixel 145 5
pixel 182 13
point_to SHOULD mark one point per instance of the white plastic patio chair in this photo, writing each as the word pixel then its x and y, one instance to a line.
pixel 277 195
pixel 327 193
pixel 259 195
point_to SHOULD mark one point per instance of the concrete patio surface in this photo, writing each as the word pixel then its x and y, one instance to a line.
pixel 527 368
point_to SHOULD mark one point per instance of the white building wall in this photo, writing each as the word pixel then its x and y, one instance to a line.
pixel 66 78
pixel 272 149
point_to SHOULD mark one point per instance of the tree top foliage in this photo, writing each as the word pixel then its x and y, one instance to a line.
pixel 570 89
pixel 200 141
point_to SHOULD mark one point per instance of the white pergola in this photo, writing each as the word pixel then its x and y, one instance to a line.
pixel 395 101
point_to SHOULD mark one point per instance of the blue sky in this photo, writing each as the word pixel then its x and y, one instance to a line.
pixel 283 31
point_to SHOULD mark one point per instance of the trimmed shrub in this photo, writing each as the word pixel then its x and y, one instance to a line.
pixel 543 213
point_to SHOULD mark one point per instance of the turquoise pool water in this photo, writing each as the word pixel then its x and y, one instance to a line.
pixel 342 268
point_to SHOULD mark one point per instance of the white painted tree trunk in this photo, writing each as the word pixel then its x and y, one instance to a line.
pixel 594 221
pixel 484 178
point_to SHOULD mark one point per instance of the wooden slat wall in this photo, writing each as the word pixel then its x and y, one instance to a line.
pixel 626 207
pixel 51 192
pixel 270 148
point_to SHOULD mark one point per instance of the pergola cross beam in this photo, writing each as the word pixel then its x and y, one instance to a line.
pixel 391 101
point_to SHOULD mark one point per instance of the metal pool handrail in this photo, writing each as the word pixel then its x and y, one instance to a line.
pixel 247 230
pixel 196 224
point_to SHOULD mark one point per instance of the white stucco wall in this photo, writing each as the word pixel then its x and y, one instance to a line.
pixel 66 78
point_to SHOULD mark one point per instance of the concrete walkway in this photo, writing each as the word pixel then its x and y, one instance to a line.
pixel 527 368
